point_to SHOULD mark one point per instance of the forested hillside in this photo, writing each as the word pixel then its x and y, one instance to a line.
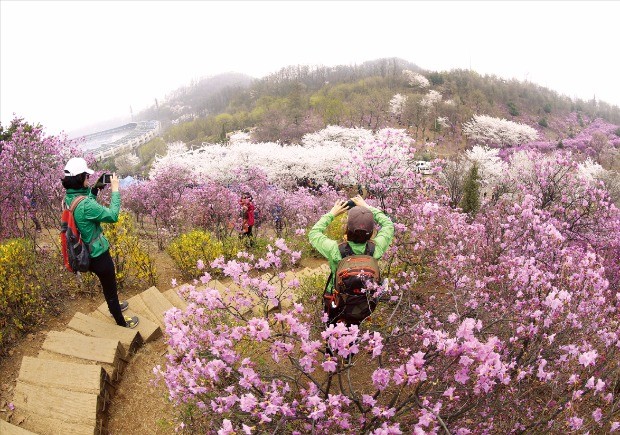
pixel 433 106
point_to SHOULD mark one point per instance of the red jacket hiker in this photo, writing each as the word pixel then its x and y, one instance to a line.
pixel 249 213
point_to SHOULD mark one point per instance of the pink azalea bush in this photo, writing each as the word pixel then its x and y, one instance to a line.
pixel 506 322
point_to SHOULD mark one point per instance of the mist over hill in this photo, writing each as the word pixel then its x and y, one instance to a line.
pixel 200 98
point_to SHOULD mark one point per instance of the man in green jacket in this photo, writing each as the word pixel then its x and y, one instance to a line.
pixel 360 227
pixel 89 215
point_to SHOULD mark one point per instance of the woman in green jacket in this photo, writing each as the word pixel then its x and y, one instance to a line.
pixel 89 215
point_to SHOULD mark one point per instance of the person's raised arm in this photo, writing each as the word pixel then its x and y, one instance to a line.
pixel 98 213
pixel 317 237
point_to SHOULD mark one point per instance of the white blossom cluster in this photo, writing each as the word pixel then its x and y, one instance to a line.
pixel 415 79
pixel 126 162
pixel 590 170
pixel 238 137
pixel 491 167
pixel 488 130
pixel 397 104
pixel 283 163
pixel 430 99
pixel 176 148
pixel 443 121
pixel 337 135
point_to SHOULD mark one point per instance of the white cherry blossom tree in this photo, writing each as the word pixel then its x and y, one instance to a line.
pixel 487 130
pixel 415 79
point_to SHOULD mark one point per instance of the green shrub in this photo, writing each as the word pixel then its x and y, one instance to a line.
pixel 617 132
pixel 543 122
pixel 547 108
pixel 231 245
pixel 149 150
pixel 435 78
pixel 196 245
pixel 512 109
pixel 20 291
pixel 471 192
pixel 310 293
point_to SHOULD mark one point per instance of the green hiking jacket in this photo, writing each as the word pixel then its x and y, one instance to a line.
pixel 88 216
pixel 329 248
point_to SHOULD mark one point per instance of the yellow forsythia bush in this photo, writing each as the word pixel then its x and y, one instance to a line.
pixel 188 248
pixel 133 263
pixel 20 291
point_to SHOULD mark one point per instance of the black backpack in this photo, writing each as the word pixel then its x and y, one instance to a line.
pixel 350 301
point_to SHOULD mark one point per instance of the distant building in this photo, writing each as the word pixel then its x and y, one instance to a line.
pixel 119 140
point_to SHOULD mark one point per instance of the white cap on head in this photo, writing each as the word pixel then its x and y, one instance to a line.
pixel 77 166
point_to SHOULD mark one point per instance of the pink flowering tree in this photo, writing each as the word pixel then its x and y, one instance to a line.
pixel 31 164
pixel 161 198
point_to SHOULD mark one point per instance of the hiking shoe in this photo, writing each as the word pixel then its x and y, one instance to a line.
pixel 124 305
pixel 132 322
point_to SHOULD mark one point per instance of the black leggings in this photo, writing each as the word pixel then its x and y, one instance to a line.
pixel 103 267
pixel 248 233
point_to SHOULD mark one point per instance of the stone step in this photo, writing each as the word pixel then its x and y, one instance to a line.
pixel 37 424
pixel 82 378
pixel 223 288
pixel 175 299
pixel 70 346
pixel 141 310
pixel 148 329
pixel 10 429
pixel 54 410
pixel 156 303
pixel 87 325
pixel 105 350
pixel 306 271
pixel 289 276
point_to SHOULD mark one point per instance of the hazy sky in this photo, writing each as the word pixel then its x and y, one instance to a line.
pixel 71 64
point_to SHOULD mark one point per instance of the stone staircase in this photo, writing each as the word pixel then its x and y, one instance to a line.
pixel 66 389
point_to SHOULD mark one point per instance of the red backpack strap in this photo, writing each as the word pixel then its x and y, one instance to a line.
pixel 75 202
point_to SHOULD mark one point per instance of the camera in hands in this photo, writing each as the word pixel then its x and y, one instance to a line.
pixel 350 204
pixel 106 178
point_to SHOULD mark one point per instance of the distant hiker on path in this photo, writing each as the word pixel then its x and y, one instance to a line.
pixel 247 214
pixel 89 215
pixel 351 306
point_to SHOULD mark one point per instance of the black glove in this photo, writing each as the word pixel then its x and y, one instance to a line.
pixel 100 184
